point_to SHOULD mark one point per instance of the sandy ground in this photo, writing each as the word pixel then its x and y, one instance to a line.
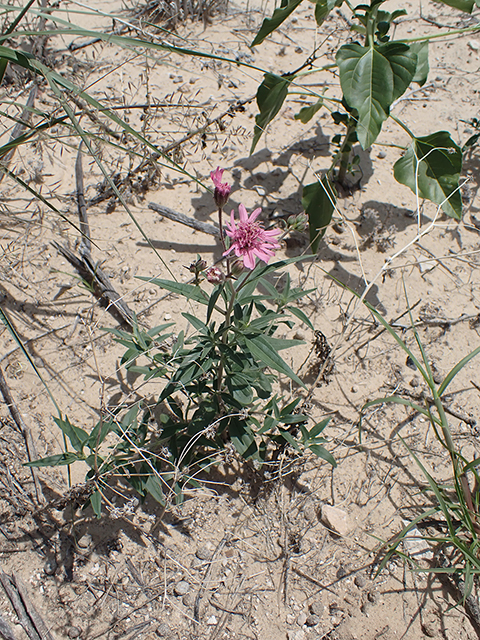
pixel 249 555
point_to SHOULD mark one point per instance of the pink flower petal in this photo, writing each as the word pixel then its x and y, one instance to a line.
pixel 254 215
pixel 242 213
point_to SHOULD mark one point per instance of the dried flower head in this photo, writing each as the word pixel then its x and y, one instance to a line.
pixel 249 238
pixel 222 189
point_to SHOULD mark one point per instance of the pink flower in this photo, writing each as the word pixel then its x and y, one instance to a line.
pixel 249 238
pixel 222 189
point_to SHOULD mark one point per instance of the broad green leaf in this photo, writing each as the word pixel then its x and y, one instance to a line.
pixel 463 5
pixel 279 15
pixel 154 487
pixel 78 437
pixel 243 438
pixel 271 95
pixel 307 113
pixel 431 166
pixel 96 502
pixel 263 351
pixel 421 72
pixel 323 8
pixel 189 291
pixel 55 461
pixel 319 201
pixel 372 78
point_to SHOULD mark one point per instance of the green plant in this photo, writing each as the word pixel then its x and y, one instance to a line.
pixel 374 71
pixel 456 506
pixel 219 391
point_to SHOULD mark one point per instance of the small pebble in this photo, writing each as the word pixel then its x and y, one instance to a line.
pixel 85 541
pixel 167 316
pixel 299 335
pixel 74 632
pixel 414 382
pixel 312 620
pixel 317 608
pixel 204 553
pixel 181 588
pixel 474 45
pixel 360 581
pixel 341 572
pixel 212 621
pixel 372 597
pixel 301 619
pixel 50 567
pixel 188 600
pixel 381 155
pixel 163 630
pixel 354 389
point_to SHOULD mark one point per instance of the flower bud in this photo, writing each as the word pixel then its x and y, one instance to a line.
pixel 215 275
pixel 222 189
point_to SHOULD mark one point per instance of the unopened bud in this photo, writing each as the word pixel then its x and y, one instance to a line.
pixel 215 275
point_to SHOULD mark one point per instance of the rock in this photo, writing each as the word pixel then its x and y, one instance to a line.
pixel 50 567
pixel 181 588
pixel 372 597
pixel 301 619
pixel 354 389
pixel 312 620
pixel 85 541
pixel 188 600
pixel 299 634
pixel 341 572
pixel 163 630
pixel 381 155
pixel 299 335
pixel 205 552
pixel 474 45
pixel 336 519
pixel 360 581
pixel 74 632
pixel 310 512
pixel 212 621
pixel 317 608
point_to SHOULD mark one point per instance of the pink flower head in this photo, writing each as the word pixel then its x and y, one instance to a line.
pixel 249 238
pixel 222 189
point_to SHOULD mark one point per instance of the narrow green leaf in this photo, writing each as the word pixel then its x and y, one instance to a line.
pixel 189 291
pixel 306 113
pixel 317 429
pixel 99 433
pixel 78 437
pixel 301 316
pixel 196 323
pixel 213 300
pixel 372 78
pixel 319 201
pixel 321 452
pixel 279 16
pixel 431 166
pixel 281 343
pixel 264 352
pixel 53 461
pixel 421 72
pixel 271 95
pixel 453 372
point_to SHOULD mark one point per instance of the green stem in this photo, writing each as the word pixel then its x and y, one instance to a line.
pixel 403 125
pixel 228 313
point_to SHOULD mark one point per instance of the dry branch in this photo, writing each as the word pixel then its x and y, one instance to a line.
pixel 19 129
pixel 186 220
pixel 84 263
pixel 30 445
pixel 28 617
